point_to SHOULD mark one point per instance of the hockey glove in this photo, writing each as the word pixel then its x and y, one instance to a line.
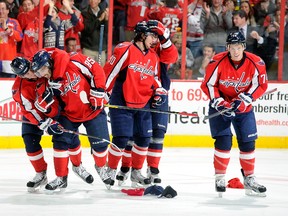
pixel 98 97
pixel 50 126
pixel 44 101
pixel 242 102
pixel 159 97
pixel 162 31
pixel 222 106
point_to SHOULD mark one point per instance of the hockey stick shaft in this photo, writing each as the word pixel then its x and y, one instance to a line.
pixel 151 110
pixel 63 129
pixel 100 43
pixel 83 97
pixel 226 110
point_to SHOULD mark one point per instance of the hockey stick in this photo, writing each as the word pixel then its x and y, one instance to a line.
pixel 100 43
pixel 64 130
pixel 226 110
pixel 83 97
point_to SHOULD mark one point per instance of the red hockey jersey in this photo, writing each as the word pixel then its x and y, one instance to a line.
pixel 140 72
pixel 137 11
pixel 76 72
pixel 24 93
pixel 170 17
pixel 222 79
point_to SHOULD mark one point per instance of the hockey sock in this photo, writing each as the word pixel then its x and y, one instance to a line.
pixel 126 157
pixel 100 157
pixel 37 160
pixel 114 156
pixel 75 155
pixel 138 156
pixel 221 161
pixel 154 154
pixel 247 162
pixel 61 159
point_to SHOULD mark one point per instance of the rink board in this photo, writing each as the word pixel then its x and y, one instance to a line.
pixel 170 141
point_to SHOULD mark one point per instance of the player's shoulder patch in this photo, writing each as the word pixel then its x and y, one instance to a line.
pixel 124 44
pixel 260 62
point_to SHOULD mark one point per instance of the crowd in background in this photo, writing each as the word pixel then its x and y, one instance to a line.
pixel 75 25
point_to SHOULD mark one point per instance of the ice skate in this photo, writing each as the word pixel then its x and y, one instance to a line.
pixel 81 172
pixel 102 172
pixel 138 178
pixel 122 175
pixel 38 181
pixel 252 188
pixel 58 183
pixel 111 173
pixel 220 185
pixel 152 174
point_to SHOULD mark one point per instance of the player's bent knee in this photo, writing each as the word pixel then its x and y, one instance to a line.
pixel 142 141
pixel 32 142
pixel 246 146
pixel 223 143
pixel 120 142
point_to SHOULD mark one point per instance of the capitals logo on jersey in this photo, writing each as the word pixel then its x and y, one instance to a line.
pixel 142 69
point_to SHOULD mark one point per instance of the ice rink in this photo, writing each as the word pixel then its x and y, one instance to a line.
pixel 188 170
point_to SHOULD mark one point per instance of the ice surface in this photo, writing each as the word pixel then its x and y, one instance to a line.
pixel 188 170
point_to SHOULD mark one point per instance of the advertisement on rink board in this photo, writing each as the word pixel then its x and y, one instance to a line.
pixel 271 110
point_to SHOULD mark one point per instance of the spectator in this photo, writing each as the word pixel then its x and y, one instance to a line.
pixel 175 69
pixel 70 44
pixel 28 14
pixel 201 62
pixel 65 14
pixel 245 6
pixel 119 21
pixel 10 34
pixel 54 27
pixel 94 17
pixel 215 21
pixel 251 34
pixel 13 6
pixel 29 22
pixel 136 11
pixel 169 15
pixel 262 9
pixel 195 34
pixel 272 27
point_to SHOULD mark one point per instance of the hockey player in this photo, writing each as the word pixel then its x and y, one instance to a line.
pixel 233 80
pixel 70 75
pixel 23 91
pixel 168 54
pixel 132 75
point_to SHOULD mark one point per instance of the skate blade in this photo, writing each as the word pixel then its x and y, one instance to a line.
pixel 108 186
pixel 252 193
pixel 220 194
pixel 38 188
pixel 121 183
pixel 139 185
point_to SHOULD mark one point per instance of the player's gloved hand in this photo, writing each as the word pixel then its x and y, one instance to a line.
pixel 50 126
pixel 55 128
pixel 159 97
pixel 98 97
pixel 56 86
pixel 241 103
pixel 222 106
pixel 44 101
pixel 160 29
